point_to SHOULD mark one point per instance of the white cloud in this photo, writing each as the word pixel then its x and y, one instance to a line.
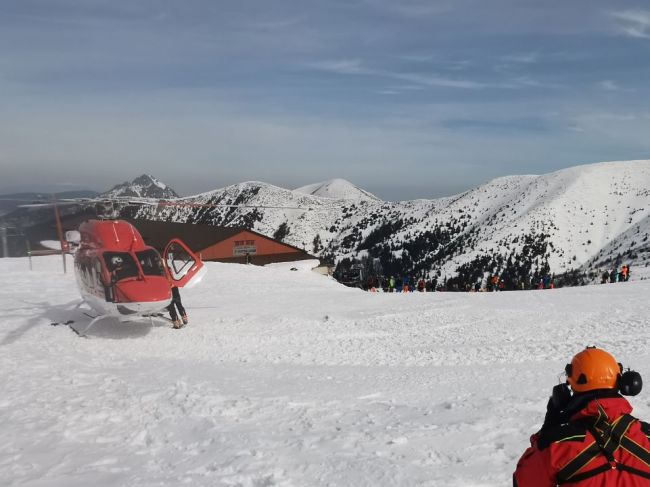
pixel 419 58
pixel 527 81
pixel 634 23
pixel 412 8
pixel 623 128
pixel 433 80
pixel 342 66
pixel 278 24
pixel 524 58
pixel 460 65
pixel 609 85
pixel 356 67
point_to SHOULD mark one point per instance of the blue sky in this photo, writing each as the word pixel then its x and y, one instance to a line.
pixel 407 99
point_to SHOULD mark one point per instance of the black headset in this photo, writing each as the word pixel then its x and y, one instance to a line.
pixel 630 382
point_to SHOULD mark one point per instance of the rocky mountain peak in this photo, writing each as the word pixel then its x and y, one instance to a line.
pixel 145 186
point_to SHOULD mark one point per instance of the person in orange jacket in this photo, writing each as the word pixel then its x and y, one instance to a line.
pixel 625 271
pixel 589 438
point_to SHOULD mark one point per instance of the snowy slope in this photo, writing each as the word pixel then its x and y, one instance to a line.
pixel 631 247
pixel 288 379
pixel 569 219
pixel 338 189
pixel 583 208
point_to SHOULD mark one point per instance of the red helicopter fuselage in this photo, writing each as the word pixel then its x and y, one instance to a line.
pixel 119 275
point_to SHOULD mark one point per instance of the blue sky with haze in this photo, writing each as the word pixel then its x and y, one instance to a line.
pixel 407 99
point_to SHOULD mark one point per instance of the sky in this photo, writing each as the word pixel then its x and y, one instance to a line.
pixel 406 99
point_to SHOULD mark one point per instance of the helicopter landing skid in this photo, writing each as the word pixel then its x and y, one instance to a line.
pixel 69 325
pixel 95 320
pixel 157 316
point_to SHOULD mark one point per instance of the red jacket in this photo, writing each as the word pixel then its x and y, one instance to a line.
pixel 553 449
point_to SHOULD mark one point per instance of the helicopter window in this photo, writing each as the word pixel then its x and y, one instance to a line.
pixel 179 262
pixel 151 263
pixel 121 265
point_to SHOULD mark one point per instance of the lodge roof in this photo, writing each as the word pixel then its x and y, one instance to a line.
pixel 197 237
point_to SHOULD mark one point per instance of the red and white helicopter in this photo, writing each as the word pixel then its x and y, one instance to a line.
pixel 121 277
pixel 118 275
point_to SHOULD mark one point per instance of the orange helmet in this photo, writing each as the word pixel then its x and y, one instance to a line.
pixel 592 369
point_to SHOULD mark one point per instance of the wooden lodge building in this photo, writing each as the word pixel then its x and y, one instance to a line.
pixel 221 244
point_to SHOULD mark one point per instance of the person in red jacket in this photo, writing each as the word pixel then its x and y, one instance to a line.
pixel 588 437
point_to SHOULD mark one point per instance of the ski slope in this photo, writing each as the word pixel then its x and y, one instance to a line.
pixel 285 378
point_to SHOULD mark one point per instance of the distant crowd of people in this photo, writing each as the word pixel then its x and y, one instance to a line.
pixel 401 284
pixel 406 284
pixel 622 275
pixel 494 283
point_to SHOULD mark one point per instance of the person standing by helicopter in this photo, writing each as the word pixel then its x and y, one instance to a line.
pixel 173 306
pixel 176 303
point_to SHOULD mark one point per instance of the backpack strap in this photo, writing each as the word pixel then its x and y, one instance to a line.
pixel 633 471
pixel 570 470
pixel 636 450
pixel 607 439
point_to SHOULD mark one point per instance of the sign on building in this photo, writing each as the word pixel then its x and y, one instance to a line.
pixel 244 247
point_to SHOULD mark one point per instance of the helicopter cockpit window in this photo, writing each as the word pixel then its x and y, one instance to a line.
pixel 121 265
pixel 151 263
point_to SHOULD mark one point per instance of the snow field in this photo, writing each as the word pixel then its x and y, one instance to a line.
pixel 285 378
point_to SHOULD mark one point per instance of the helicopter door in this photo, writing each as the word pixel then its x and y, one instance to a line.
pixel 184 267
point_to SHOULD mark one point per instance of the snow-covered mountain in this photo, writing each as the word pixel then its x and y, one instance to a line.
pixel 145 186
pixel 338 189
pixel 520 227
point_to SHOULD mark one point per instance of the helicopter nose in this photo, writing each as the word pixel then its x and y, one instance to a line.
pixel 152 289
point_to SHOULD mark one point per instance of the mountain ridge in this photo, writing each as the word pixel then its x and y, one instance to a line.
pixel 579 220
pixel 540 224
